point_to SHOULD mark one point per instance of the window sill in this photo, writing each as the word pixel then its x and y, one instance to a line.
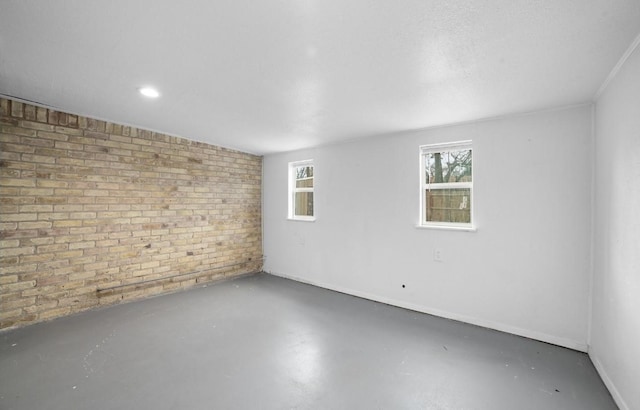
pixel 302 219
pixel 449 228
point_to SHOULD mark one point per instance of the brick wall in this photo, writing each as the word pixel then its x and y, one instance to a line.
pixel 93 213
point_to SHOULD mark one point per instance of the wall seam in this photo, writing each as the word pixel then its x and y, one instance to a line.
pixel 592 227
pixel 617 67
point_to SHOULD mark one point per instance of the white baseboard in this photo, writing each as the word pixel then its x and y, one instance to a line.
pixel 559 341
pixel 608 382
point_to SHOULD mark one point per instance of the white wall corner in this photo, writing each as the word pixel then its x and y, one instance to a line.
pixel 592 226
pixel 617 397
pixel 617 67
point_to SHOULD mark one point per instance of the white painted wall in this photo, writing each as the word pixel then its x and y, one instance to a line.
pixel 527 268
pixel 615 331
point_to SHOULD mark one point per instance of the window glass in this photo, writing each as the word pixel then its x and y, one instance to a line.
pixel 303 204
pixel 304 177
pixel 301 187
pixel 446 186
pixel 448 205
pixel 449 166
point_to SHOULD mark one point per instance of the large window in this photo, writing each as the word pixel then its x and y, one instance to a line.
pixel 301 190
pixel 446 185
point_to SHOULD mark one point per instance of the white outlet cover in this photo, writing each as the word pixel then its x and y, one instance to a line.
pixel 437 255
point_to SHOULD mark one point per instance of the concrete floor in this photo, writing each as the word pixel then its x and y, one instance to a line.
pixel 262 342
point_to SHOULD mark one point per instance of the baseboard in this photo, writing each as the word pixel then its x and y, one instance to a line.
pixel 568 343
pixel 617 397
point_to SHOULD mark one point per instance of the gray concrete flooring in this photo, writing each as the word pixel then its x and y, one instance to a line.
pixel 263 342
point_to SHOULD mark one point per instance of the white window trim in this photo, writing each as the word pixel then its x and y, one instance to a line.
pixel 292 190
pixel 424 185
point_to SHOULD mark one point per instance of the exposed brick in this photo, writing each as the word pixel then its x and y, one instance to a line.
pixel 53 135
pixel 36 192
pixel 6 217
pixel 87 205
pixel 53 313
pixel 34 225
pixel 35 125
pixel 5 182
pixel 5 107
pixel 12 287
pixel 7 314
pixel 17 109
pixel 15 131
pixel 41 114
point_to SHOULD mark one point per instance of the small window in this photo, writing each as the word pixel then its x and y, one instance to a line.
pixel 301 190
pixel 446 185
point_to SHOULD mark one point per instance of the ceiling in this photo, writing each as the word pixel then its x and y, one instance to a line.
pixel 268 76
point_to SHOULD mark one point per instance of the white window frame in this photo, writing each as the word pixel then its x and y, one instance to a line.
pixel 293 190
pixel 425 185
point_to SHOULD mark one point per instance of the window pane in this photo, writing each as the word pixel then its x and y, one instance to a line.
pixel 303 204
pixel 304 172
pixel 304 177
pixel 448 166
pixel 304 183
pixel 448 205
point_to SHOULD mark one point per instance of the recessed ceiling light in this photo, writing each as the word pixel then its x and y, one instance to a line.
pixel 149 92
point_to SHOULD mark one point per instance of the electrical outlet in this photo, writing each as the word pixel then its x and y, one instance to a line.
pixel 437 255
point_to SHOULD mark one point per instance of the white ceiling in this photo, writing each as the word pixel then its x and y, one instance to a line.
pixel 267 76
